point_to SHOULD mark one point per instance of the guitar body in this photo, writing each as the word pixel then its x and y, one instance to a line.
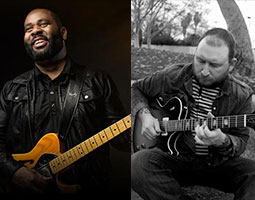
pixel 48 145
pixel 174 109
pixel 47 149
pixel 48 159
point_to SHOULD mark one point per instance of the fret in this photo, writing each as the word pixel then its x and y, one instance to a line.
pixel 219 122
pixel 64 159
pixel 76 152
pixel 93 143
pixel 115 131
pixel 80 150
pixel 73 151
pixel 127 121
pixel 192 124
pixel 108 133
pixel 175 125
pixel 98 139
pixel 236 121
pixel 58 166
pixel 179 126
pixel 183 125
pixel 209 123
pixel 103 136
pixel 88 146
pixel 121 125
pixel 244 121
pixel 53 166
pixel 70 156
pixel 187 123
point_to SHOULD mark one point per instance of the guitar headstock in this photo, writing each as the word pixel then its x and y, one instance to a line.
pixel 250 121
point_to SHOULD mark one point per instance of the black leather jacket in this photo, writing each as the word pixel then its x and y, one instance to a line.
pixel 235 98
pixel 98 107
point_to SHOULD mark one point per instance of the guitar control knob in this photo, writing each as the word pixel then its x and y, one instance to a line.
pixel 143 146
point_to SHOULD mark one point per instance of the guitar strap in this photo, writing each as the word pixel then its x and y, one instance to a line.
pixel 71 102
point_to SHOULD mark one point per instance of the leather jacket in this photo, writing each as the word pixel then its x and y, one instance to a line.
pixel 235 98
pixel 98 107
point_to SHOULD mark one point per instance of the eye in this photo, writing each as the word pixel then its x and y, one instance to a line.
pixel 28 29
pixel 200 60
pixel 44 24
pixel 215 65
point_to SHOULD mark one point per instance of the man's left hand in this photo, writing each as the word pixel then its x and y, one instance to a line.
pixel 204 136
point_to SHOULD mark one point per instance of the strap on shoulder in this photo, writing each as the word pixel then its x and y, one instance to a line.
pixel 71 102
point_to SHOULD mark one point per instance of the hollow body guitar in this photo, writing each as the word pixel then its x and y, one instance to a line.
pixel 172 119
pixel 46 158
pixel 174 109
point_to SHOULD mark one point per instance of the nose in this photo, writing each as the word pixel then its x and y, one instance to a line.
pixel 205 71
pixel 36 29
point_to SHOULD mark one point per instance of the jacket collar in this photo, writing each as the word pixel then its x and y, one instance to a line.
pixel 28 76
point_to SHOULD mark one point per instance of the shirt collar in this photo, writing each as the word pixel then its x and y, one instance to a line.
pixel 188 76
pixel 63 75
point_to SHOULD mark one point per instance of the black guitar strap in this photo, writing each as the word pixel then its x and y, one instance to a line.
pixel 70 103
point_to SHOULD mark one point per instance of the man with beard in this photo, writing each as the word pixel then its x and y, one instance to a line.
pixel 32 104
pixel 208 153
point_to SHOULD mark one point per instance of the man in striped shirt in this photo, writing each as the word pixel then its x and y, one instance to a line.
pixel 210 154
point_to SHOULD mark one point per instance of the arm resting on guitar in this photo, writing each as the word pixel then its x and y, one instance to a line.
pixel 145 89
pixel 238 137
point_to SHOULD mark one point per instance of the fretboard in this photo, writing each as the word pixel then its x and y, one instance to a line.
pixel 235 121
pixel 82 149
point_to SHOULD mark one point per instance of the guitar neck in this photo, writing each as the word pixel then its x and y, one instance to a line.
pixel 69 157
pixel 235 121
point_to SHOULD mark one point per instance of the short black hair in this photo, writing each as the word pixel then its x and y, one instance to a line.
pixel 57 19
pixel 225 36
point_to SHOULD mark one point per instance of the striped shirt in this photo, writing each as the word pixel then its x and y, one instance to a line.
pixel 204 98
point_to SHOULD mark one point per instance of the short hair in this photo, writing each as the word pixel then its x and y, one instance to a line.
pixel 57 19
pixel 225 36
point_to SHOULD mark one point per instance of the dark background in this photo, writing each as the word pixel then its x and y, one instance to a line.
pixel 98 36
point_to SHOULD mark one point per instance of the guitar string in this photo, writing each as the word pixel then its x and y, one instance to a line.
pixel 232 121
pixel 47 164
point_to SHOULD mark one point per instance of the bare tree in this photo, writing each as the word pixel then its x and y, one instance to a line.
pixel 140 10
pixel 185 23
pixel 197 19
pixel 237 26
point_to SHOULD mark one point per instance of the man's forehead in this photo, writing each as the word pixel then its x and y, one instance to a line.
pixel 38 14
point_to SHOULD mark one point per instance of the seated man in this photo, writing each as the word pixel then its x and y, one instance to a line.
pixel 206 152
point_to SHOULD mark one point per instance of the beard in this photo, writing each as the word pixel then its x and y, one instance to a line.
pixel 54 47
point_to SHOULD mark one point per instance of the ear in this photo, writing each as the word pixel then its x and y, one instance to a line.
pixel 63 32
pixel 232 64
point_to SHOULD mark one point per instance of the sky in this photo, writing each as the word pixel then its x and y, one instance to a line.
pixel 247 7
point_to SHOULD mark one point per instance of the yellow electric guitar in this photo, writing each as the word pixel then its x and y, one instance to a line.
pixel 46 158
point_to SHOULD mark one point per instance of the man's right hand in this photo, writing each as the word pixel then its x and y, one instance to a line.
pixel 150 125
pixel 29 180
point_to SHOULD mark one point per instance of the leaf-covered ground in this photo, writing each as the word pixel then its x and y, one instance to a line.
pixel 145 62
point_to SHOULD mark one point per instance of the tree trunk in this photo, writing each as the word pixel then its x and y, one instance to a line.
pixel 237 26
